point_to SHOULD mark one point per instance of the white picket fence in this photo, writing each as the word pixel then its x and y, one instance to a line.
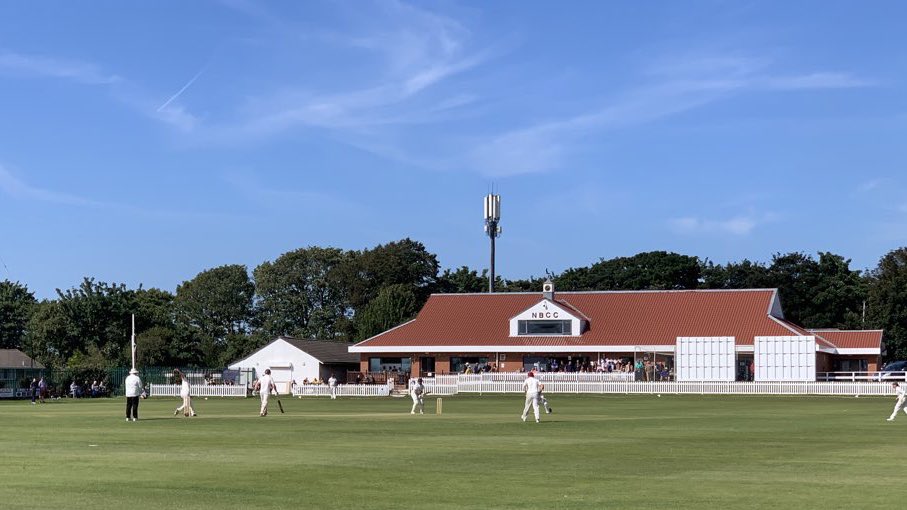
pixel 343 390
pixel 198 390
pixel 585 383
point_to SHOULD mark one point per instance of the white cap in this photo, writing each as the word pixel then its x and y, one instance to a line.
pixel 133 371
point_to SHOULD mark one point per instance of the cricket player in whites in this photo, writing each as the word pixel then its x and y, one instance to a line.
pixel 417 392
pixel 533 387
pixel 332 382
pixel 265 386
pixel 899 404
pixel 186 408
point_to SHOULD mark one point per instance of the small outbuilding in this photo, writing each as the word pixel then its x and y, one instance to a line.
pixel 16 367
pixel 295 359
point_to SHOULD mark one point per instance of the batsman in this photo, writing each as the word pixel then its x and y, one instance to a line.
pixel 264 386
pixel 417 392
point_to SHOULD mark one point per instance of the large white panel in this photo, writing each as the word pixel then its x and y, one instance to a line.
pixel 704 358
pixel 785 358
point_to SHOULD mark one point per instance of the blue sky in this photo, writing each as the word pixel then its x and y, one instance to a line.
pixel 146 142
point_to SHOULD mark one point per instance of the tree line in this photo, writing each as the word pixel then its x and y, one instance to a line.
pixel 226 312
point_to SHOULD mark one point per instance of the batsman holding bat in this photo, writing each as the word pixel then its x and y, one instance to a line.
pixel 265 386
pixel 417 392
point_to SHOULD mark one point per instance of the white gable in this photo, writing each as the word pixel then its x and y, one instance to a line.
pixel 546 310
pixel 286 361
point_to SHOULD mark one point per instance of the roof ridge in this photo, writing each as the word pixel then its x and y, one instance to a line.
pixel 575 292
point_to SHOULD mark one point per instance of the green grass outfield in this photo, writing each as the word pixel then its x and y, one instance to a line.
pixel 597 451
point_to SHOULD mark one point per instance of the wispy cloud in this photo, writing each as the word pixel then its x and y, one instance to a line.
pixel 673 86
pixel 39 65
pixel 413 51
pixel 286 198
pixel 815 81
pixel 121 89
pixel 17 188
pixel 739 225
pixel 870 185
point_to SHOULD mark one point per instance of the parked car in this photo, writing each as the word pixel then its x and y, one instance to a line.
pixel 894 371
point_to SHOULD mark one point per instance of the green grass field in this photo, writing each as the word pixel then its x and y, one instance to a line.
pixel 593 452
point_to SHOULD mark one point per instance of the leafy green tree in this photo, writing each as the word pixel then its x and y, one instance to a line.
pixel 405 262
pixel 643 271
pixel 465 280
pixel 394 305
pixel 887 302
pixel 735 275
pixel 52 337
pixel 302 294
pixel 16 306
pixel 153 308
pixel 215 304
pixel 98 318
pixel 815 294
pixel 531 284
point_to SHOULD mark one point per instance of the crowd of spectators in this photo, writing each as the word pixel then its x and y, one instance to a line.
pixel 88 390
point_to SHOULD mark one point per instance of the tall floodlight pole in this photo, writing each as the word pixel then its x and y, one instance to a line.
pixel 492 218
pixel 133 340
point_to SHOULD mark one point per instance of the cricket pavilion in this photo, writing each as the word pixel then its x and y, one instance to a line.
pixel 689 335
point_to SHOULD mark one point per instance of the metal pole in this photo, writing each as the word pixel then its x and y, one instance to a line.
pixel 492 234
pixel 133 340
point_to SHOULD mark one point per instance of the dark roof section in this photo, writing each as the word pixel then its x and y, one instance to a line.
pixel 325 352
pixel 14 358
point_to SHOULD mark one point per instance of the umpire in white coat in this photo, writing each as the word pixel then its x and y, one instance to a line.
pixel 133 391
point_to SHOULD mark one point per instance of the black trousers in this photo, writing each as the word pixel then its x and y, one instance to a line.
pixel 132 407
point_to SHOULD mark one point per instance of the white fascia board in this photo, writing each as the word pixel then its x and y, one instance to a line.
pixel 785 326
pixel 512 348
pixel 745 348
pixel 826 349
pixel 867 350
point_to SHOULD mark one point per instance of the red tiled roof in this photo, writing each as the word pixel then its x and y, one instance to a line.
pixel 615 318
pixel 852 339
pixel 798 330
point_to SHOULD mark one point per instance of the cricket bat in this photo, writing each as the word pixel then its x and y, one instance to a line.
pixel 280 406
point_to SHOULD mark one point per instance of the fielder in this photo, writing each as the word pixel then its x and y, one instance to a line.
pixel 332 382
pixel 533 389
pixel 265 386
pixel 899 404
pixel 417 392
pixel 186 408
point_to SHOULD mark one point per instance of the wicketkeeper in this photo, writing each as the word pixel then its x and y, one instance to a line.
pixel 544 401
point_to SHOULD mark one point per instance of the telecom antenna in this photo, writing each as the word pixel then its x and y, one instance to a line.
pixel 492 218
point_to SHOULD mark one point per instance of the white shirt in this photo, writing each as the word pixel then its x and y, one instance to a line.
pixel 417 390
pixel 264 385
pixel 133 386
pixel 900 392
pixel 332 382
pixel 531 385
pixel 184 388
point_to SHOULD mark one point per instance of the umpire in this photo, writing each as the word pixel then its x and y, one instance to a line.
pixel 133 390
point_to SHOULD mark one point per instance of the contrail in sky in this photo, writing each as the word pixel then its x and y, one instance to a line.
pixel 180 91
